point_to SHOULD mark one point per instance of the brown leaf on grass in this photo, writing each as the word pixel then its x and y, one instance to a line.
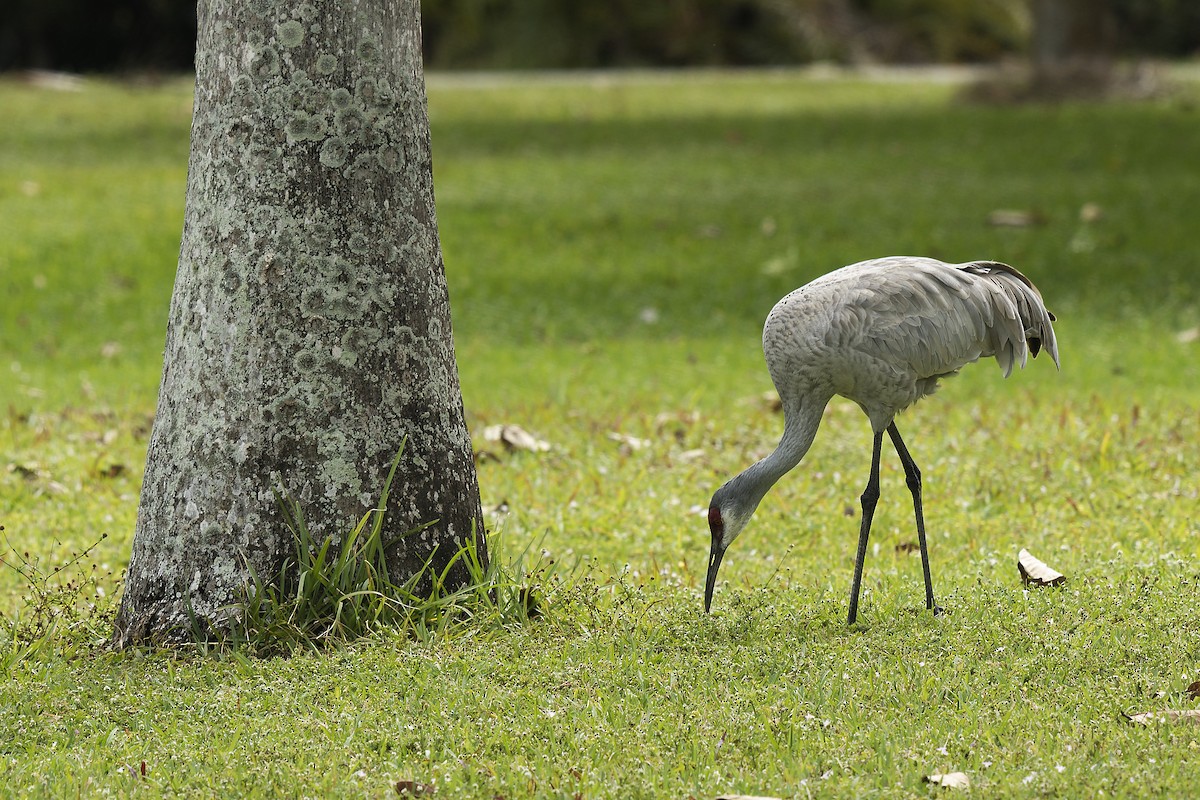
pixel 767 401
pixel 1191 715
pixel 413 788
pixel 949 780
pixel 28 473
pixel 1014 218
pixel 113 471
pixel 771 401
pixel 908 547
pixel 514 437
pixel 628 443
pixel 1035 572
pixel 677 422
pixel 1193 690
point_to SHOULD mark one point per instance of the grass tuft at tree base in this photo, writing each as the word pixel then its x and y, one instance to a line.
pixel 333 593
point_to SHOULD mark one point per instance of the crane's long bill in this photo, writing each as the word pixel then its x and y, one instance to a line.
pixel 714 564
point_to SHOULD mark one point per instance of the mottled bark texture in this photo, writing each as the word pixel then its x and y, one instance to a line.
pixel 309 331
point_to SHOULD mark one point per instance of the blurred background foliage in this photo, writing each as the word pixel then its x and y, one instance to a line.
pixel 159 35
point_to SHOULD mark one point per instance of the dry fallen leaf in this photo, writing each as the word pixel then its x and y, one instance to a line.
pixel 514 437
pixel 1188 335
pixel 949 780
pixel 767 401
pixel 627 441
pixel 1191 715
pixel 28 473
pixel 679 420
pixel 1013 218
pixel 1193 690
pixel 1035 572
pixel 413 788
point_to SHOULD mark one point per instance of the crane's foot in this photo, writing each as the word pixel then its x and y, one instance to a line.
pixel 938 611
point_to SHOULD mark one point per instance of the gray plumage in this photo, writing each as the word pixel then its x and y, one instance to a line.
pixel 881 333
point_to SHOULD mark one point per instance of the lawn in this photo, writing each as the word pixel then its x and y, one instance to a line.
pixel 612 246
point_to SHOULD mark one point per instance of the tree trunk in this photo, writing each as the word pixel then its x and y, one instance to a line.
pixel 1072 48
pixel 309 333
pixel 1066 32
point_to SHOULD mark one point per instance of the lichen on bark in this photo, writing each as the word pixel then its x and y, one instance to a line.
pixel 309 332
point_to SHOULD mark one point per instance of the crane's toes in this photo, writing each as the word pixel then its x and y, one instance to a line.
pixel 938 611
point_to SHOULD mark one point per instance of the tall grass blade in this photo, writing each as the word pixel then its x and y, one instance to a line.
pixel 338 591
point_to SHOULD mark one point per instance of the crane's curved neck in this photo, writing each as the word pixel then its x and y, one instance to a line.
pixel 800 427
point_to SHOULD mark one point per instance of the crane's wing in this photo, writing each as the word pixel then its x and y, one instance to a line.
pixel 934 318
pixel 1032 316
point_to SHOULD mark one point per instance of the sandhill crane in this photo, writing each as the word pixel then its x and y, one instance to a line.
pixel 881 333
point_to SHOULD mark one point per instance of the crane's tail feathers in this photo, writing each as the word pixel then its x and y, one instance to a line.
pixel 1020 325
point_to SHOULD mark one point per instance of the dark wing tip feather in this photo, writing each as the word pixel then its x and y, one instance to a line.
pixel 1001 267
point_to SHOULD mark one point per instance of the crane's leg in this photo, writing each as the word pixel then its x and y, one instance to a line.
pixel 870 497
pixel 913 477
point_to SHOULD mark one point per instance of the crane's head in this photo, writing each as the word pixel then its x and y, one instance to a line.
pixel 726 518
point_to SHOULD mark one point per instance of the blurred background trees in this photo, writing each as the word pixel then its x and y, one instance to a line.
pixel 159 35
pixel 97 35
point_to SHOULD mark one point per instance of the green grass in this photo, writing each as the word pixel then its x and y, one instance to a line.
pixel 572 211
